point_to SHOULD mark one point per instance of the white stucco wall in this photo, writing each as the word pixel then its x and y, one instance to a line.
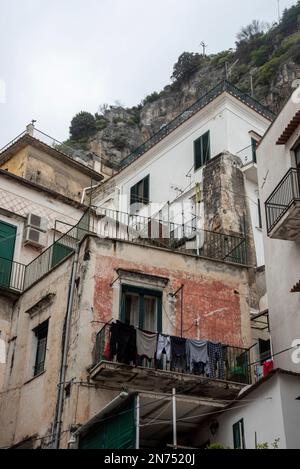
pixel 18 200
pixel 271 411
pixel 170 163
pixel 282 257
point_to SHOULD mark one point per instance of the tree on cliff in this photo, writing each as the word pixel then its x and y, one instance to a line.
pixel 83 125
pixel 187 64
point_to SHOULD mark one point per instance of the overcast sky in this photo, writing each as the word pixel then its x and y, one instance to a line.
pixel 58 57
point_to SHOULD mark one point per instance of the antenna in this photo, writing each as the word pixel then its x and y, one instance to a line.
pixel 279 11
pixel 204 47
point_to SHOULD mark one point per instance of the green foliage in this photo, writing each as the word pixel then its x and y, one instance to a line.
pixel 119 143
pixel 187 64
pixel 101 123
pixel 290 19
pixel 151 98
pixel 268 71
pixel 83 126
pixel 216 446
pixel 275 445
pixel 261 55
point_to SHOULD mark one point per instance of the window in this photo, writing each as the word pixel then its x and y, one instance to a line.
pixel 142 308
pixel 254 148
pixel 202 150
pixel 139 193
pixel 239 435
pixel 41 333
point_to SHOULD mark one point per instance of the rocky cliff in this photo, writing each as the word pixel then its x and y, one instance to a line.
pixel 271 55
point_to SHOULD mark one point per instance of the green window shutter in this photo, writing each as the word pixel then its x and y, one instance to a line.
pixel 236 436
pixel 59 252
pixel 146 190
pixel 239 435
pixel 7 249
pixel 202 152
pixel 159 315
pixel 198 153
pixel 206 147
pixel 133 195
pixel 118 432
pixel 254 147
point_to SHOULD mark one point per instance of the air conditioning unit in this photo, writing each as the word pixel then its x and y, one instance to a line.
pixel 35 238
pixel 37 222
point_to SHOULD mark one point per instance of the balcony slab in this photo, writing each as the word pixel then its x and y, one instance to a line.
pixel 119 376
pixel 288 227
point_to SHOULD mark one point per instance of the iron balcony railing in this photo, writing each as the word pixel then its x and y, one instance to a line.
pixel 189 112
pixel 236 366
pixel 57 252
pixel 282 198
pixel 12 275
pixel 183 238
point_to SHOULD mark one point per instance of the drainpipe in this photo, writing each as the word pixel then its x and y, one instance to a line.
pixel 64 365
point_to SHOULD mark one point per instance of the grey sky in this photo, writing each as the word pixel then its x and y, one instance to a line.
pixel 59 57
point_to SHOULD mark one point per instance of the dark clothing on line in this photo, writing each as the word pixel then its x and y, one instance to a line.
pixel 123 342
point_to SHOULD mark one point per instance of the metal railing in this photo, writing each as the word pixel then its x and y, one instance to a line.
pixel 285 194
pixel 11 275
pixel 57 252
pixel 183 238
pixel 235 366
pixel 247 155
pixel 189 112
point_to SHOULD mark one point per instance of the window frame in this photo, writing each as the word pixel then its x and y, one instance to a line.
pixel 239 434
pixel 143 199
pixel 254 144
pixel 203 160
pixel 41 336
pixel 142 293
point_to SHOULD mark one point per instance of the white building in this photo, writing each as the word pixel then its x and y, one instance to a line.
pixel 279 171
pixel 165 175
pixel 266 413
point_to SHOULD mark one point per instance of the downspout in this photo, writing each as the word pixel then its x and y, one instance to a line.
pixel 64 365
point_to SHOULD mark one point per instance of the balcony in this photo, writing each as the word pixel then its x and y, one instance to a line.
pixel 185 238
pixel 11 276
pixel 283 208
pixel 160 376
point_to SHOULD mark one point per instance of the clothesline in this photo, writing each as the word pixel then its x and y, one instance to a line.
pixel 130 345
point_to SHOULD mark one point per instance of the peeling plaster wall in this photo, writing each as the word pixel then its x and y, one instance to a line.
pixel 28 405
pixel 215 293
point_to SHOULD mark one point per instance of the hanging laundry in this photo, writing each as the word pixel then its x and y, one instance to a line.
pixel 268 366
pixel 178 354
pixel 146 344
pixel 197 356
pixel 215 360
pixel 163 346
pixel 123 342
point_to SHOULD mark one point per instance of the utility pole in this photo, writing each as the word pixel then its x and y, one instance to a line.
pixel 204 47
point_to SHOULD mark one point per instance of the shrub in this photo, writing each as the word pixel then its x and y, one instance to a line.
pixel 83 126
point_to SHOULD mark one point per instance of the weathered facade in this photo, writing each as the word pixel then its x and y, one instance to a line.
pixel 215 307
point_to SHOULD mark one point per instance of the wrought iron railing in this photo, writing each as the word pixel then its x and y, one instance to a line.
pixel 285 194
pixel 235 366
pixel 189 112
pixel 57 252
pixel 184 238
pixel 11 275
